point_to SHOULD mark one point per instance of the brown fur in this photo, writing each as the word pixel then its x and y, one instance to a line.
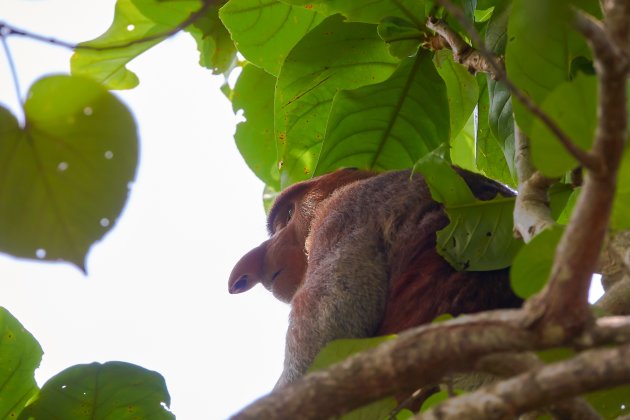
pixel 357 259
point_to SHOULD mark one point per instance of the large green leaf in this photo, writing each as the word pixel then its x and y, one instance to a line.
pixel 462 89
pixel 266 30
pixel 501 122
pixel 253 93
pixel 137 20
pixel 65 177
pixel 537 54
pixel 113 390
pixel 500 118
pixel 479 236
pixel 389 125
pixel 335 55
pixel 368 12
pixel 20 355
pixel 217 51
pixel 572 106
pixel 216 48
pixel 532 265
pixel 489 157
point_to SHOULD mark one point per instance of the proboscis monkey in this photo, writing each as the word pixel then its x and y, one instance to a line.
pixel 354 254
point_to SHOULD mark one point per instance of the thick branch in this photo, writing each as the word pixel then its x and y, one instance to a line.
pixel 418 357
pixel 579 249
pixel 588 371
pixel 463 53
pixel 505 365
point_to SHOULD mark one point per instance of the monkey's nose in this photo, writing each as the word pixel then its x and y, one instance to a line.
pixel 240 285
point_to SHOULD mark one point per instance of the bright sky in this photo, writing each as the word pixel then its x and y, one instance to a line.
pixel 156 293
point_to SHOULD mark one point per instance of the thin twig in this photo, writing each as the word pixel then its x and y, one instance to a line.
pixel 12 30
pixel 12 67
pixel 586 159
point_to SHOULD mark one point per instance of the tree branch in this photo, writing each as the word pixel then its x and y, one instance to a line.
pixel 505 365
pixel 577 254
pixel 418 357
pixel 588 371
pixel 463 53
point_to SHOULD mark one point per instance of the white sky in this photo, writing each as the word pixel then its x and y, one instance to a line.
pixel 156 293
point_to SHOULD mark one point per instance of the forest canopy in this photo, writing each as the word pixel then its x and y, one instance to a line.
pixel 532 94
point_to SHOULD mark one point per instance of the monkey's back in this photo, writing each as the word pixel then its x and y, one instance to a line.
pixel 422 285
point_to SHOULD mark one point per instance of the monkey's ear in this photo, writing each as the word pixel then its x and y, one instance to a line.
pixel 248 271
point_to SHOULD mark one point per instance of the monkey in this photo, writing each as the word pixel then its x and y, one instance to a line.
pixel 354 253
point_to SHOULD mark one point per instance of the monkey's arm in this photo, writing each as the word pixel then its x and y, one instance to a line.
pixel 343 296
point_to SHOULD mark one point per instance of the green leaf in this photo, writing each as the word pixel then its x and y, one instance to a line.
pixel 113 390
pixel 461 87
pixel 130 25
pixel 389 125
pixel 137 20
pixel 269 196
pixel 537 60
pixel 560 196
pixel 463 147
pixel 217 51
pixel 266 30
pixel 489 157
pixel 565 214
pixel 335 55
pixel 438 398
pixel 64 179
pixel 501 122
pixel 499 115
pixel 479 235
pixel 611 403
pixel 339 350
pixel 20 356
pixel 368 12
pixel 402 36
pixel 253 93
pixel 216 48
pixel 620 219
pixel 572 107
pixel 532 265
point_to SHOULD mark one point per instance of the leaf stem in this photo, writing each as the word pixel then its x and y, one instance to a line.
pixel 12 67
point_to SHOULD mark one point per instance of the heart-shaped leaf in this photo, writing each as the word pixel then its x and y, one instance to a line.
pixel 64 177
